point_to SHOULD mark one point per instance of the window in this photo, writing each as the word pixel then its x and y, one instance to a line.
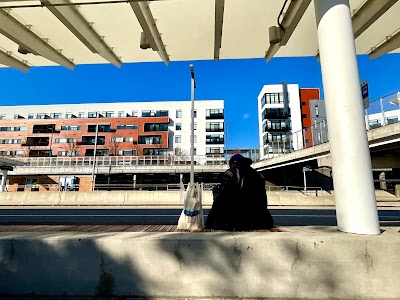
pixel 12 153
pixel 194 151
pixel 315 124
pixel 65 140
pixel 68 115
pixel 155 113
pixel 316 111
pixel 215 127
pixel 2 116
pixel 31 116
pixel 121 139
pixel 134 113
pixel 10 141
pixel 127 127
pixel 45 128
pixel 90 140
pixel 214 150
pixel 195 138
pixel 178 126
pixel 392 120
pixel 92 114
pixel 215 113
pixel 108 114
pixel 41 116
pixel 155 140
pixel 16 116
pixel 56 115
pixel 214 139
pixel 126 152
pixel 195 126
pixel 178 139
pixel 22 128
pixel 179 113
pixel 121 114
pixel 99 152
pixel 71 127
pixel 68 153
pixel 195 113
pixel 81 115
pixel 324 124
pixel 319 137
pixel 155 151
pixel 156 127
pixel 303 103
pixel 304 116
pixel 101 128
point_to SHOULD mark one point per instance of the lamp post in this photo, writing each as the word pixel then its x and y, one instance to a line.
pixel 305 169
pixel 193 86
pixel 94 155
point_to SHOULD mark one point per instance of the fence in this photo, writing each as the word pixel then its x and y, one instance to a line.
pixel 151 160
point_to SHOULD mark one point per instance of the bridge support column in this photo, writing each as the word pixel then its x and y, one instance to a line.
pixel 3 181
pixel 351 162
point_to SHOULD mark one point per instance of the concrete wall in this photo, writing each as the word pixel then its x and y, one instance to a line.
pixel 302 264
pixel 137 198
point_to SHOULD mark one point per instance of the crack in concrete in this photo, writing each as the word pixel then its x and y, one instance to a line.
pixel 237 256
pixel 293 268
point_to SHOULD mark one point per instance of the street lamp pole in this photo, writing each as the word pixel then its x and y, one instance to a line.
pixel 94 155
pixel 193 86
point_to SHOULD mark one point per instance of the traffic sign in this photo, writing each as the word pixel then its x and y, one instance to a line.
pixel 365 94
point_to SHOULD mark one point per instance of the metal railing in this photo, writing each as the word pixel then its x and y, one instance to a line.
pixel 120 161
pixel 381 112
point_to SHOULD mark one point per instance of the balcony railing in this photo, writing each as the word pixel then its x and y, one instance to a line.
pixel 276 115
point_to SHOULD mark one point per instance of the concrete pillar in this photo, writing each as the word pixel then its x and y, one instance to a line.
pixel 397 190
pixel 3 181
pixel 351 162
pixel 382 184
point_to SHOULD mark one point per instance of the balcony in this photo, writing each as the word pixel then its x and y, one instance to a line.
pixel 33 141
pixel 276 128
pixel 155 127
pixel 274 114
pixel 214 140
pixel 90 141
pixel 101 128
pixel 47 128
pixel 215 116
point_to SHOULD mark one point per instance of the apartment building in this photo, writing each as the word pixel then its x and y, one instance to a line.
pixel 285 118
pixel 129 128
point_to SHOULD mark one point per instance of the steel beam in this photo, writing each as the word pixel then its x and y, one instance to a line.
pixel 8 60
pixel 82 29
pixel 219 20
pixel 367 15
pixel 149 27
pixel 291 19
pixel 391 43
pixel 23 36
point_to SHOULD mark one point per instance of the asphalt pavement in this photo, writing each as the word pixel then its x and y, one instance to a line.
pixel 165 216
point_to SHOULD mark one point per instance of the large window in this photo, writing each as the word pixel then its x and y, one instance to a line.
pixel 155 113
pixel 121 114
pixel 65 140
pixel 272 98
pixel 90 140
pixel 215 127
pixel 42 116
pixel 10 141
pixel 12 153
pixel 121 139
pixel 148 151
pixel 46 128
pixel 22 128
pixel 214 139
pixel 215 113
pixel 214 150
pixel 275 125
pixel 31 116
pixel 108 114
pixel 56 115
pixel 126 152
pixel 2 116
pixel 101 128
pixel 81 115
pixel 68 153
pixel 155 140
pixel 127 127
pixel 99 152
pixel 93 114
pixel 71 127
pixel 156 127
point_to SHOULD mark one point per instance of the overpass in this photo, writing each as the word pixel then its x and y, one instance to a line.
pixel 384 144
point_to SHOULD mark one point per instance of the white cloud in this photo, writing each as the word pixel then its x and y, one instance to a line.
pixel 246 116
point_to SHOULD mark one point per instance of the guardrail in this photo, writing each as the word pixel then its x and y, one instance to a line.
pixel 106 161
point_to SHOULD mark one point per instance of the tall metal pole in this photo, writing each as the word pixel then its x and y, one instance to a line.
pixel 94 155
pixel 355 200
pixel 193 86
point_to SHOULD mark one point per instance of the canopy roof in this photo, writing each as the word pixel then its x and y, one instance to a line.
pixel 64 34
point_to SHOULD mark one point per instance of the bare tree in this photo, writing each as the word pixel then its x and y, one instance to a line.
pixel 113 145
pixel 71 148
pixel 180 154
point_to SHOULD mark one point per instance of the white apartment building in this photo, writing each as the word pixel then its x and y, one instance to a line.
pixel 209 119
pixel 279 115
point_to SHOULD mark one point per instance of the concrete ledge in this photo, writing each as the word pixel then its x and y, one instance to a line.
pixel 140 198
pixel 308 263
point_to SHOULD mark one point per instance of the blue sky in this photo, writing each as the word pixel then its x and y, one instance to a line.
pixel 238 82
